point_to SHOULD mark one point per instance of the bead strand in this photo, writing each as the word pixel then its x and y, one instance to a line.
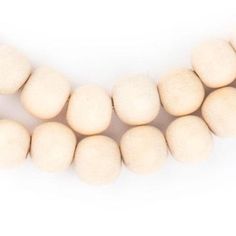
pixel 136 101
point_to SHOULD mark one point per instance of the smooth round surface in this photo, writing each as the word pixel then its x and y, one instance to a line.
pixel 45 93
pixel 89 110
pixel 189 139
pixel 14 69
pixel 215 63
pixel 181 92
pixel 14 143
pixel 97 160
pixel 143 149
pixel 219 111
pixel 53 145
pixel 136 100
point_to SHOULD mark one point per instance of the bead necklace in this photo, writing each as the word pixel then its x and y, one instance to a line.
pixel 135 99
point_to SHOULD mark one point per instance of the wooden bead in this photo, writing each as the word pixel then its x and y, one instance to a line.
pixel 45 93
pixel 89 110
pixel 97 160
pixel 215 63
pixel 181 92
pixel 136 100
pixel 14 143
pixel 53 145
pixel 14 69
pixel 143 149
pixel 219 111
pixel 189 139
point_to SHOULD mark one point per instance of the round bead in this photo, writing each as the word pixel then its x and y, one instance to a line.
pixel 53 145
pixel 97 160
pixel 89 110
pixel 181 92
pixel 14 69
pixel 14 143
pixel 219 111
pixel 189 139
pixel 45 93
pixel 136 100
pixel 215 63
pixel 143 149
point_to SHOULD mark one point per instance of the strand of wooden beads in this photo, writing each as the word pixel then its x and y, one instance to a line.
pixel 136 101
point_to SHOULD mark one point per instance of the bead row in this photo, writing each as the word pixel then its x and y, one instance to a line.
pixel 136 100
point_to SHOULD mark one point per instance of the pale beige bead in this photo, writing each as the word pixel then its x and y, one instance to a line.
pixel 14 69
pixel 89 110
pixel 14 143
pixel 53 145
pixel 45 93
pixel 219 111
pixel 136 100
pixel 97 160
pixel 189 139
pixel 215 63
pixel 143 149
pixel 181 92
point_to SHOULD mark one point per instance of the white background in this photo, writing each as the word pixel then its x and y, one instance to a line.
pixel 99 41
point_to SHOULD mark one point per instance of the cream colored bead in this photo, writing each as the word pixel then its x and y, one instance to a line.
pixel 14 143
pixel 89 110
pixel 97 160
pixel 45 93
pixel 14 69
pixel 181 92
pixel 53 145
pixel 219 111
pixel 215 63
pixel 189 139
pixel 136 100
pixel 143 149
